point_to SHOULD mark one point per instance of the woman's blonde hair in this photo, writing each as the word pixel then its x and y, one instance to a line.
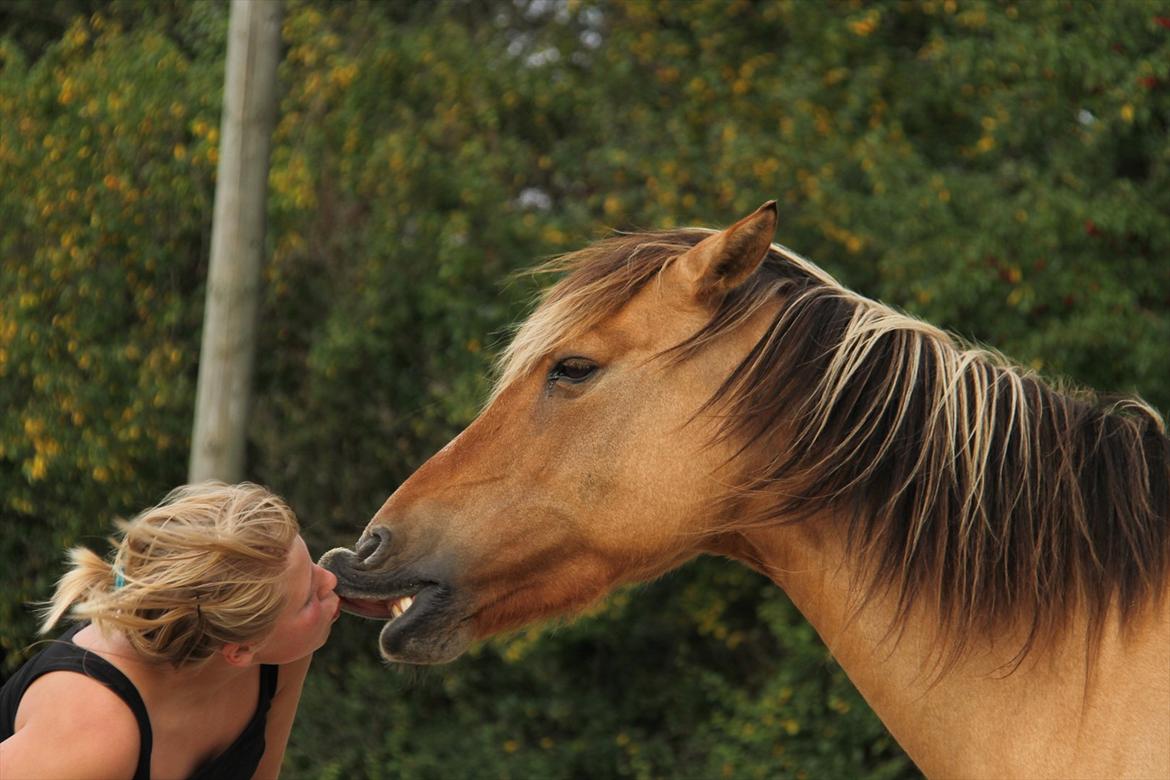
pixel 203 568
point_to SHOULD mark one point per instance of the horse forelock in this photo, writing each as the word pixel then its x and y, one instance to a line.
pixel 597 281
pixel 600 279
pixel 967 482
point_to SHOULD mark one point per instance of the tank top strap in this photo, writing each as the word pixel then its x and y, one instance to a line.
pixel 64 655
pixel 268 678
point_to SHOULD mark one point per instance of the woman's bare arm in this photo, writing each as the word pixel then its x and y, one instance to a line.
pixel 290 681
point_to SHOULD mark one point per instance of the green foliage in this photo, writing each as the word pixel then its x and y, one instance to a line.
pixel 107 156
pixel 999 169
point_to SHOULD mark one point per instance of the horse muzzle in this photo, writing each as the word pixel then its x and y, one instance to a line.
pixel 424 619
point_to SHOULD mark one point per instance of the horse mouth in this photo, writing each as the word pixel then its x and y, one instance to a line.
pixel 423 619
pixel 419 602
pixel 378 609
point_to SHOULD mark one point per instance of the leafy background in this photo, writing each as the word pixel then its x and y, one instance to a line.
pixel 999 168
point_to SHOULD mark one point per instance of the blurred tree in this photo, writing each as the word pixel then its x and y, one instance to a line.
pixel 223 394
pixel 34 26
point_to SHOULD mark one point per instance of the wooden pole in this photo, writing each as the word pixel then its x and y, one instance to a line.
pixel 223 395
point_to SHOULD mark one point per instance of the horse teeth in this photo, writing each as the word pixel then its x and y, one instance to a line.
pixel 400 605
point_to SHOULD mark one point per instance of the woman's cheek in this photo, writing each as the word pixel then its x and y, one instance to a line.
pixel 320 614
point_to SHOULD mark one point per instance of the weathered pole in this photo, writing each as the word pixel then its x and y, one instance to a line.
pixel 223 395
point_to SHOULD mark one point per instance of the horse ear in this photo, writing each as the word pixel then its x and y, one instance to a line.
pixel 723 261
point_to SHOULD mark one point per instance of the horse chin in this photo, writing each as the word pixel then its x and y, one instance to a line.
pixel 429 631
pixel 423 640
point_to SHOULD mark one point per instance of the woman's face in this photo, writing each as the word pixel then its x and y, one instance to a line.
pixel 310 609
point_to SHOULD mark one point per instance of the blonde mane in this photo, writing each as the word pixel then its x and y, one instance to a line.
pixel 968 482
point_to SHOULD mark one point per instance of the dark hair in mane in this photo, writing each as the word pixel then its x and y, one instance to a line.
pixel 968 482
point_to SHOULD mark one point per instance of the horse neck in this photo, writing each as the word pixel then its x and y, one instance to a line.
pixel 1048 718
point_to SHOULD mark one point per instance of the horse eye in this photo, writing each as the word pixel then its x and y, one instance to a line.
pixel 573 369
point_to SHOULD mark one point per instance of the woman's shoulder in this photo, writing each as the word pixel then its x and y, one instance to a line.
pixel 73 723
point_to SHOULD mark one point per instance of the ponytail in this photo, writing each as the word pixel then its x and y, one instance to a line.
pixel 87 588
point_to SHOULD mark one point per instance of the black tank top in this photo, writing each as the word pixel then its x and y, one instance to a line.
pixel 239 760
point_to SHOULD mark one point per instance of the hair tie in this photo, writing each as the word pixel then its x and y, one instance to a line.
pixel 119 580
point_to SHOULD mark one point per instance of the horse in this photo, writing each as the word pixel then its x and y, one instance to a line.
pixel 987 555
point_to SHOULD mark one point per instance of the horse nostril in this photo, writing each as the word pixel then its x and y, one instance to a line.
pixel 373 547
pixel 366 545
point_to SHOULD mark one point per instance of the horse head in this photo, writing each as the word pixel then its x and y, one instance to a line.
pixel 596 462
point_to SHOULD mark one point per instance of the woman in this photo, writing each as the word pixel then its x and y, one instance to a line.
pixel 192 649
